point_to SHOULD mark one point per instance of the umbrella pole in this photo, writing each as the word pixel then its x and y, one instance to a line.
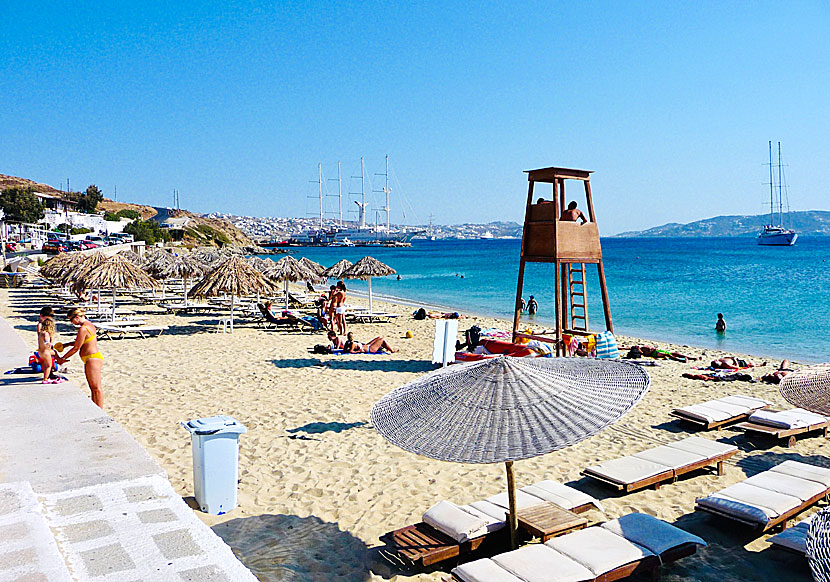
pixel 511 494
pixel 185 290
pixel 286 294
pixel 231 312
pixel 370 295
pixel 113 304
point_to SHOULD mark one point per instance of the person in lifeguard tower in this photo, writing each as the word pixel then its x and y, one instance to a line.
pixel 572 214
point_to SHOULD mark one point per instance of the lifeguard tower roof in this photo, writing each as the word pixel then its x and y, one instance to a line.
pixel 552 174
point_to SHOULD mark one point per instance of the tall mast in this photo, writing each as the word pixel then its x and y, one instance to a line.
pixel 320 187
pixel 386 189
pixel 780 180
pixel 771 187
pixel 339 195
pixel 362 221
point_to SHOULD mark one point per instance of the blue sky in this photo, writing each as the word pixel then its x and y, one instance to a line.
pixel 235 103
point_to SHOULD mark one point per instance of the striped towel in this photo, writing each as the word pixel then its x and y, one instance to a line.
pixel 607 346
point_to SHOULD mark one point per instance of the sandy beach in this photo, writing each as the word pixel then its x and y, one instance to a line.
pixel 318 485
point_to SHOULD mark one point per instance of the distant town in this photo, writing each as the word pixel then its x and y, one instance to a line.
pixel 268 229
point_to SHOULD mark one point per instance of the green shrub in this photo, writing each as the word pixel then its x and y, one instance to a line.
pixel 20 205
pixel 147 230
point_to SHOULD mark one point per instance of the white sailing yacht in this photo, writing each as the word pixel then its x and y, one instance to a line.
pixel 776 234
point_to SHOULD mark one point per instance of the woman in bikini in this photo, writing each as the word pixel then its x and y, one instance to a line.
pixel 87 344
pixel 45 339
pixel 374 346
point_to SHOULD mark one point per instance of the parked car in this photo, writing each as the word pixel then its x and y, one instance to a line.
pixel 11 246
pixel 87 244
pixel 54 245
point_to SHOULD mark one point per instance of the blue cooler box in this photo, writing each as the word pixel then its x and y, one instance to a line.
pixel 215 442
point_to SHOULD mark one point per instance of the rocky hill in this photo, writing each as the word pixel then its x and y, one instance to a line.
pixel 7 181
pixel 805 223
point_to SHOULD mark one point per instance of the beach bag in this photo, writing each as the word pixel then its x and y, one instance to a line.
pixel 321 349
pixel 607 346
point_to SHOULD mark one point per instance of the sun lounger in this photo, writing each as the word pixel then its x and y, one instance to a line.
pixel 449 530
pixel 785 424
pixel 716 413
pixel 370 317
pixel 182 308
pixel 660 464
pixel 793 539
pixel 772 497
pixel 634 543
pixel 119 331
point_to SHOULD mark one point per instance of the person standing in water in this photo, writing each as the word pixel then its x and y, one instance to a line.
pixel 720 325
pixel 532 306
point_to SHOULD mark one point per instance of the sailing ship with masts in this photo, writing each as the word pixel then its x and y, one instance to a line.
pixel 776 234
pixel 361 234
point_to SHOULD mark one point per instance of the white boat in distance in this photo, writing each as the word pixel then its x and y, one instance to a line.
pixel 772 234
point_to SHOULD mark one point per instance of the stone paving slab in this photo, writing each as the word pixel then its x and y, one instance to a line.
pixel 27 549
pixel 138 529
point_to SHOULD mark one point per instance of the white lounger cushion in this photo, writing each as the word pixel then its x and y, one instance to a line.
pixel 495 512
pixel 495 519
pixel 787 419
pixel 786 484
pixel 561 495
pixel 750 502
pixel 671 457
pixel 804 471
pixel 598 549
pixel 702 446
pixel 713 411
pixel 522 500
pixel 485 570
pixel 450 519
pixel 628 469
pixel 538 563
pixel 651 533
pixel 748 401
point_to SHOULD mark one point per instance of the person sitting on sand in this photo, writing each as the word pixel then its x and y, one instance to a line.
pixel 572 214
pixel 374 346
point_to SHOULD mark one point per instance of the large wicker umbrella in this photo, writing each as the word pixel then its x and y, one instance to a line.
pixel 817 546
pixel 158 265
pixel 808 388
pixel 337 269
pixel 290 269
pixel 507 409
pixel 113 273
pixel 366 268
pixel 315 268
pixel 56 266
pixel 234 276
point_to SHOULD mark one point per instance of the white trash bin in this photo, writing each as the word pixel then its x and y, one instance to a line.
pixel 215 442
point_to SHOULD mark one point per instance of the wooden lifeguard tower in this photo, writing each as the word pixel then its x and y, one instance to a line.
pixel 569 246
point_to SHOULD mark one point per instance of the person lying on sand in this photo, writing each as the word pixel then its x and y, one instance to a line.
pixel 779 374
pixel 731 363
pixel 650 352
pixel 372 347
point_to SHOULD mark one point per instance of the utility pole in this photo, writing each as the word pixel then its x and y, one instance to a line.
pixel 320 186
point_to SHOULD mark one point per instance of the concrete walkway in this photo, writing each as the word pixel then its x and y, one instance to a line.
pixel 81 500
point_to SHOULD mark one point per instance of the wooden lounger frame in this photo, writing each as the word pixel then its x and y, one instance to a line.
pixel 669 475
pixel 782 433
pixel 716 424
pixel 424 545
pixel 780 520
pixel 650 564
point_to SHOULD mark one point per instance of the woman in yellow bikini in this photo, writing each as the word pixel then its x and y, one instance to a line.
pixel 87 344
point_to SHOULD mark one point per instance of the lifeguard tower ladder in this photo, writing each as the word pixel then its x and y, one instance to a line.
pixel 569 246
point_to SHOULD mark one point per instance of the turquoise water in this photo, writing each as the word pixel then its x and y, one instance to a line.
pixel 774 299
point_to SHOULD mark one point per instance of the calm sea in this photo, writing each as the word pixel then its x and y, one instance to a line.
pixel 776 300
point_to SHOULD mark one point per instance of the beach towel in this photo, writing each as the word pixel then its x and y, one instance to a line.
pixel 607 346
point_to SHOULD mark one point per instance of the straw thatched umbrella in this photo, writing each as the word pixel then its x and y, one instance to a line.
pixel 337 269
pixel 506 409
pixel 55 267
pixel 234 276
pixel 131 256
pixel 113 273
pixel 366 268
pixel 315 268
pixel 290 269
pixel 158 265
pixel 184 267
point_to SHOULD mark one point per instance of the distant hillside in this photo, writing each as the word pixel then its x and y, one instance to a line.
pixel 809 223
pixel 15 182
